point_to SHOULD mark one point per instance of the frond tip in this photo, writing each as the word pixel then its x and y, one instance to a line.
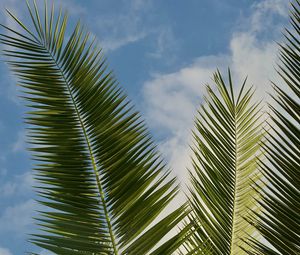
pixel 226 144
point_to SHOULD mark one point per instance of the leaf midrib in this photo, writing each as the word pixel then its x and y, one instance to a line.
pixel 235 181
pixel 91 154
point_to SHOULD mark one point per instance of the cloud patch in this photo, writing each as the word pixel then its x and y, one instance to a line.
pixel 171 99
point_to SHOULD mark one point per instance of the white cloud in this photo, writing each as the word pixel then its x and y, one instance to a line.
pixel 255 59
pixel 171 103
pixel 171 99
pixel 4 251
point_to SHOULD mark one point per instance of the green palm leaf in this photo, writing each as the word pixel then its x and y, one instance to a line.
pixel 226 144
pixel 280 221
pixel 100 177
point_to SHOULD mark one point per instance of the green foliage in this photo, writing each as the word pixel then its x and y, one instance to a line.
pixel 280 221
pixel 100 176
pixel 226 144
pixel 101 182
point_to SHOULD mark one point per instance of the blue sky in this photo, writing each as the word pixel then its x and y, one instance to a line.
pixel 162 52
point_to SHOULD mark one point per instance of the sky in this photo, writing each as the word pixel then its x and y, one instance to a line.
pixel 163 53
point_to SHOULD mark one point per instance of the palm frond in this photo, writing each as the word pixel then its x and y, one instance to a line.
pixel 280 222
pixel 226 144
pixel 101 180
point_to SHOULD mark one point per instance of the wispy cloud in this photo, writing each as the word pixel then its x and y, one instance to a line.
pixel 20 143
pixel 263 14
pixel 164 44
pixel 20 185
pixel 74 8
pixel 117 41
pixel 117 29
pixel 171 99
pixel 18 218
pixel 139 4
